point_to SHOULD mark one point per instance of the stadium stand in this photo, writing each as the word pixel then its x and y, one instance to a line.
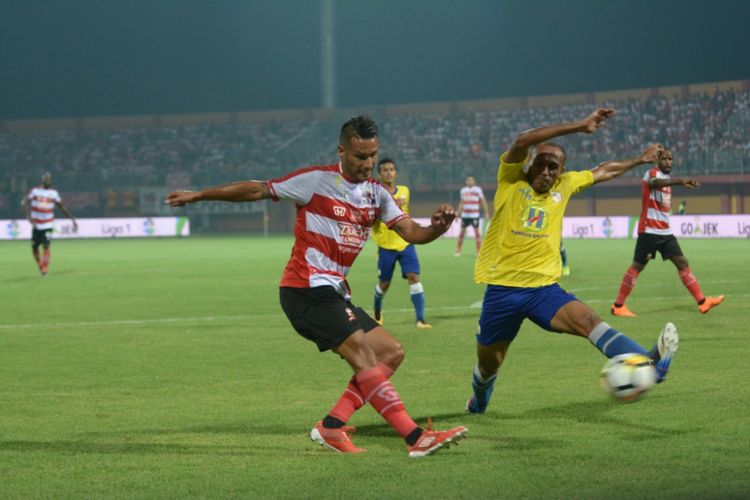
pixel 103 167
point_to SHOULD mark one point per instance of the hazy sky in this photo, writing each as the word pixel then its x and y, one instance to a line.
pixel 105 57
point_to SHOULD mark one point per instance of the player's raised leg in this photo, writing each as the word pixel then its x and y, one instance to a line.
pixel 663 351
pixel 577 318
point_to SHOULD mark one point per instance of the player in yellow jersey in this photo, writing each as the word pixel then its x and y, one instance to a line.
pixel 520 258
pixel 393 248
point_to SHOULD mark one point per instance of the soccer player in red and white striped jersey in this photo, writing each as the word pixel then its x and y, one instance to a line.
pixel 40 206
pixel 472 202
pixel 655 235
pixel 336 207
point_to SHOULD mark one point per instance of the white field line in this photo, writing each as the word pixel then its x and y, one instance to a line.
pixel 139 322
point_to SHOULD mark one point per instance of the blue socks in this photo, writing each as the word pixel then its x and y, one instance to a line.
pixel 417 298
pixel 482 392
pixel 416 292
pixel 378 303
pixel 611 342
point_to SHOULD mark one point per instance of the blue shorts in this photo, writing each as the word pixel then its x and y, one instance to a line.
pixel 387 259
pixel 505 307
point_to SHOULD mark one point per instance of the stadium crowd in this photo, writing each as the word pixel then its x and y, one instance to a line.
pixel 708 133
pixel 691 126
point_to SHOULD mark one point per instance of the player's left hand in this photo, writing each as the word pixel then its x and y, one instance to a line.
pixel 443 217
pixel 180 198
pixel 596 119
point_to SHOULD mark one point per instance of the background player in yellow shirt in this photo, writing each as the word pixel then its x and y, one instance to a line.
pixel 393 248
pixel 520 258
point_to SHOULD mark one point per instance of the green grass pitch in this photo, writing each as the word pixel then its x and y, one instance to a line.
pixel 166 369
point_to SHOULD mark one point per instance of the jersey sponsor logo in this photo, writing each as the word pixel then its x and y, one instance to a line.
pixel 351 234
pixel 526 192
pixel 556 196
pixel 339 211
pixel 535 218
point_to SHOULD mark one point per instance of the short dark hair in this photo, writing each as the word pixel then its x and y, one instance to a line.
pixel 362 126
pixel 384 161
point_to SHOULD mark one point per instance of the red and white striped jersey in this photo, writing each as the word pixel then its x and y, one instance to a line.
pixel 334 217
pixel 42 202
pixel 471 198
pixel 655 204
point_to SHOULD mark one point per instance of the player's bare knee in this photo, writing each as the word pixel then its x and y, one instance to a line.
pixel 586 322
pixel 489 367
pixel 681 263
pixel 394 357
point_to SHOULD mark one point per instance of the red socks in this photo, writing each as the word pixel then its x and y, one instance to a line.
pixel 686 275
pixel 352 399
pixel 379 392
pixel 45 260
pixel 691 283
pixel 628 282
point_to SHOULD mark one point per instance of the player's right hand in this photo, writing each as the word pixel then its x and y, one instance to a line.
pixel 181 198
pixel 442 217
pixel 652 153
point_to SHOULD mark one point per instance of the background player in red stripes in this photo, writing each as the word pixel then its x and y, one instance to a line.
pixel 655 235
pixel 337 206
pixel 472 199
pixel 40 211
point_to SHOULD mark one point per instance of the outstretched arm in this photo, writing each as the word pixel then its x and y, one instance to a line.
pixel 412 232
pixel 526 140
pixel 236 191
pixel 614 168
pixel 687 183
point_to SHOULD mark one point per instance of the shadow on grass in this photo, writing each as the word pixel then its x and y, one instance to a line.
pixel 593 413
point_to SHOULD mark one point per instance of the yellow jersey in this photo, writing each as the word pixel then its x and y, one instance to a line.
pixel 387 238
pixel 522 246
